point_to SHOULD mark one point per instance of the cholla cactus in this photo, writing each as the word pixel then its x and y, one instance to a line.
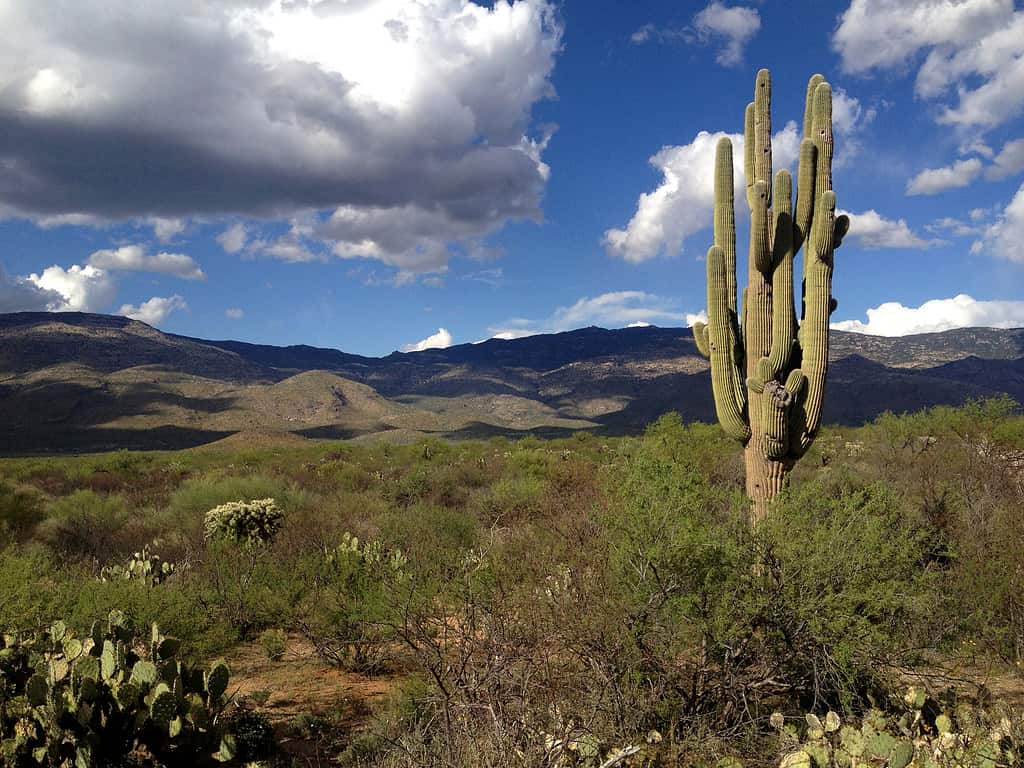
pixel 250 523
pixel 768 373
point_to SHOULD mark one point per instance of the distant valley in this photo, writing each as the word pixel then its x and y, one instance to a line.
pixel 84 382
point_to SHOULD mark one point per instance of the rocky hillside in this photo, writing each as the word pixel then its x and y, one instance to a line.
pixel 73 381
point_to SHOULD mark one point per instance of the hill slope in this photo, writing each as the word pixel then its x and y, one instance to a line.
pixel 75 381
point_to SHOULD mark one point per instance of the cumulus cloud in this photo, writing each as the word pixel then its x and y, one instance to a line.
pixel 1004 238
pixel 975 50
pixel 134 258
pixel 440 340
pixel 166 230
pixel 390 106
pixel 233 239
pixel 18 294
pixel 683 202
pixel 734 27
pixel 155 310
pixel 616 309
pixel 1009 161
pixel 932 181
pixel 234 313
pixel 872 230
pixel 80 289
pixel 963 311
pixel 849 120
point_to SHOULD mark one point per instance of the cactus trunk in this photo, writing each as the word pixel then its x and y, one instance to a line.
pixel 768 366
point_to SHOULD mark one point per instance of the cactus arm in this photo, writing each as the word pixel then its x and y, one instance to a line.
pixel 763 130
pixel 725 215
pixel 783 316
pixel 812 86
pixel 700 338
pixel 722 342
pixel 748 148
pixel 760 235
pixel 817 275
pixel 758 165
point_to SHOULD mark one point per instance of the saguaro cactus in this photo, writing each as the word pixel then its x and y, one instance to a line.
pixel 768 371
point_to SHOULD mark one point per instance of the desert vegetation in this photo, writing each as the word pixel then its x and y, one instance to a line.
pixel 587 601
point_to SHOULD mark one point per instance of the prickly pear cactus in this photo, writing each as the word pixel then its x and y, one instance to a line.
pixel 93 701
pixel 927 734
pixel 768 370
pixel 145 567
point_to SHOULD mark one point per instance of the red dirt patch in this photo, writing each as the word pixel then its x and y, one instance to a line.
pixel 302 684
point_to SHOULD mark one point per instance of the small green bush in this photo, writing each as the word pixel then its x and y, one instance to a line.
pixel 274 643
pixel 21 510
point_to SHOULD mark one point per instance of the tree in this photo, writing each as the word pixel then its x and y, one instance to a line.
pixel 767 369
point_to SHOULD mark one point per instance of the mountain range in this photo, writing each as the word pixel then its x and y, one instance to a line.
pixel 87 382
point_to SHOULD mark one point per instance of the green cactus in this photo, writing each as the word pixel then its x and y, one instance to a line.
pixel 144 567
pixel 768 373
pixel 251 524
pixel 66 701
pixel 901 739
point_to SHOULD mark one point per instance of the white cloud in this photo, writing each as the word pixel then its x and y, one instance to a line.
pixel 952 226
pixel 735 27
pixel 932 181
pixel 234 313
pixel 80 289
pixel 683 202
pixel 894 319
pixel 872 230
pixel 155 310
pixel 1009 161
pixel 233 239
pixel 18 294
pixel 399 106
pixel 166 230
pixel 616 309
pixel 849 119
pixel 1004 238
pixel 71 219
pixel 976 146
pixel 975 48
pixel 440 340
pixel 134 258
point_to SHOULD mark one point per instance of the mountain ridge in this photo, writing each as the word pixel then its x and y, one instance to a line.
pixel 77 381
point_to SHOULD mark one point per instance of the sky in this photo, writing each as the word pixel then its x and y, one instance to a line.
pixel 379 175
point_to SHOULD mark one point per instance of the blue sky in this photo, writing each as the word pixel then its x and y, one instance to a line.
pixel 372 174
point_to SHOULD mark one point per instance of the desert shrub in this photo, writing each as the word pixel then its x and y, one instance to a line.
pixel 431 537
pixel 252 523
pixel 87 526
pixel 20 511
pixel 274 642
pixel 181 523
pixel 510 500
pixel 246 588
pixel 31 587
pixel 253 735
pixel 847 585
pixel 352 609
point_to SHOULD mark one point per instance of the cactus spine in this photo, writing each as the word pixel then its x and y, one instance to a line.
pixel 768 371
